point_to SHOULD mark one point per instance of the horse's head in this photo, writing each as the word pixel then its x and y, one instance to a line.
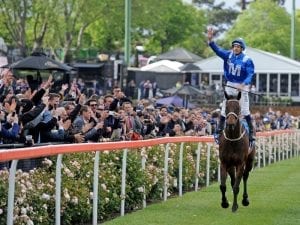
pixel 232 110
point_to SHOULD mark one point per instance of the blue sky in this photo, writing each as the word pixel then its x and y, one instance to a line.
pixel 288 3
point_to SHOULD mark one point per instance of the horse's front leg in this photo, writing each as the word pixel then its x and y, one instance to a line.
pixel 236 186
pixel 224 202
pixel 249 166
pixel 245 200
pixel 231 172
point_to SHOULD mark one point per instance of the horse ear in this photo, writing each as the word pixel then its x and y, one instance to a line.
pixel 239 95
pixel 226 95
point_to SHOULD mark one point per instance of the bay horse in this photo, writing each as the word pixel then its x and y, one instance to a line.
pixel 235 153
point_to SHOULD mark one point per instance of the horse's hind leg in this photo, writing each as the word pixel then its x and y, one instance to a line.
pixel 224 202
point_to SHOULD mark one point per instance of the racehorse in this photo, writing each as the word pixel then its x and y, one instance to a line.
pixel 236 155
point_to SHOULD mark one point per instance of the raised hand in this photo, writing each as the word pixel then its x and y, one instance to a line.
pixel 210 34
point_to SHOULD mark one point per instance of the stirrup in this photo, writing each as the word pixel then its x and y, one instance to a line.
pixel 252 140
pixel 217 138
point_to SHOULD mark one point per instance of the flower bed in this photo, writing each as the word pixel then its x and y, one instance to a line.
pixel 35 190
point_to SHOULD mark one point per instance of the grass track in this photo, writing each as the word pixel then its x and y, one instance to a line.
pixel 274 193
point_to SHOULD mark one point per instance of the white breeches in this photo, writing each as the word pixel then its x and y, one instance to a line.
pixel 244 101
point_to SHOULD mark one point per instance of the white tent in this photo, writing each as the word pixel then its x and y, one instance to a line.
pixel 166 66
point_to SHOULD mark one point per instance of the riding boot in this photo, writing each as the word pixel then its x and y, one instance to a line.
pixel 221 125
pixel 251 128
pixel 220 129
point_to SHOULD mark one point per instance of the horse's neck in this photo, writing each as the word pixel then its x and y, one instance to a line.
pixel 236 132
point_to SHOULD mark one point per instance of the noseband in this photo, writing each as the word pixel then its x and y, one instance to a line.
pixel 236 116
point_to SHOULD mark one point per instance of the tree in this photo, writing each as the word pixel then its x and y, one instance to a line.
pixel 172 26
pixel 26 22
pixel 14 14
pixel 218 16
pixel 38 24
pixel 73 18
pixel 297 35
pixel 265 25
pixel 107 32
pixel 156 24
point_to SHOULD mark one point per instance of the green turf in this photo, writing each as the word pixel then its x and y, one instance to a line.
pixel 274 195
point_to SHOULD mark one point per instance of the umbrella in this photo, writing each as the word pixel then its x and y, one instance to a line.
pixel 173 100
pixel 190 67
pixel 179 55
pixel 186 90
pixel 39 61
pixel 171 90
pixel 189 90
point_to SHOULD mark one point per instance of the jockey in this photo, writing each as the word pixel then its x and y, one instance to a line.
pixel 238 73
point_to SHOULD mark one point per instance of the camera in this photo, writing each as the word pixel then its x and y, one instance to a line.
pixel 139 113
pixel 28 141
pixel 111 113
pixel 147 121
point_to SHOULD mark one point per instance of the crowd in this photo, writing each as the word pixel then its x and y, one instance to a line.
pixel 69 116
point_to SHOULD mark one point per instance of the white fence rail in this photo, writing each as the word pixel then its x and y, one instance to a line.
pixel 271 147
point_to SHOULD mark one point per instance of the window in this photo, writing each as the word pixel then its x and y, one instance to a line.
pixel 273 82
pixel 295 85
pixel 216 77
pixel 262 82
pixel 284 83
pixel 205 79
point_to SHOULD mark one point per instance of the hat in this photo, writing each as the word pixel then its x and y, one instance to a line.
pixel 266 120
pixel 240 42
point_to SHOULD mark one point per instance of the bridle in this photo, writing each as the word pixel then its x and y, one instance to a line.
pixel 237 118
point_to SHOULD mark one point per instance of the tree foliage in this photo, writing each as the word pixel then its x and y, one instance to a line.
pixel 218 16
pixel 157 25
pixel 265 25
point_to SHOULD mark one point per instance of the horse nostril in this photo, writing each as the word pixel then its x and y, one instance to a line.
pixel 231 120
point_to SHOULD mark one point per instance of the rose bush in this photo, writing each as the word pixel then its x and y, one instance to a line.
pixel 35 190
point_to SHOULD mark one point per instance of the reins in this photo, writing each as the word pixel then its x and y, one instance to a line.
pixel 234 139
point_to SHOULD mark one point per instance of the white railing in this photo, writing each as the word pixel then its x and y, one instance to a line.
pixel 270 146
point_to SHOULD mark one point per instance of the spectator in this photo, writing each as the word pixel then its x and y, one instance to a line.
pixel 132 121
pixel 130 90
pixel 148 89
pixel 119 99
pixel 85 125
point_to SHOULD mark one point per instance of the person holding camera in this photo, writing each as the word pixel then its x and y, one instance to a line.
pixel 118 99
pixel 133 124
pixel 9 127
pixel 87 127
pixel 148 123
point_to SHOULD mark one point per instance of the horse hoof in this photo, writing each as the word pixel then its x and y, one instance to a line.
pixel 234 208
pixel 245 202
pixel 225 205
